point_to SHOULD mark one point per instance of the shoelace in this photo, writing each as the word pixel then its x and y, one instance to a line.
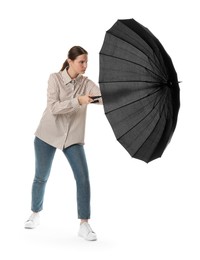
pixel 89 229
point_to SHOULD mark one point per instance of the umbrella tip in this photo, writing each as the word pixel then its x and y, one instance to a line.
pixel 171 83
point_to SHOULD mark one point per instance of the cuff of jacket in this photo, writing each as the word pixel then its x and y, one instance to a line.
pixel 75 104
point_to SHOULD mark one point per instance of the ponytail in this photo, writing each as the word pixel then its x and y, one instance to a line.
pixel 65 65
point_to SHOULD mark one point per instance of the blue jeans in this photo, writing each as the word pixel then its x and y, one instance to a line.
pixel 44 154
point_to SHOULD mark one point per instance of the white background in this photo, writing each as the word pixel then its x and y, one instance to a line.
pixel 139 210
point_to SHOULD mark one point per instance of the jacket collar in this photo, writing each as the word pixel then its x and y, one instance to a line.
pixel 67 79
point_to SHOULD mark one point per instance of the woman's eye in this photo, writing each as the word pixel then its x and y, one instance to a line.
pixel 82 62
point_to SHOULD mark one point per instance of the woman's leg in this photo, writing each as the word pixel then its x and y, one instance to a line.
pixel 76 157
pixel 44 154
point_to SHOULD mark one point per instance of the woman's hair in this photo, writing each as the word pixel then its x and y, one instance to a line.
pixel 73 53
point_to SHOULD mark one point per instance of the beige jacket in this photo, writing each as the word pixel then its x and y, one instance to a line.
pixel 63 121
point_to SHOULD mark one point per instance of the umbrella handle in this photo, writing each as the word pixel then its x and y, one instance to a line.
pixel 95 101
pixel 95 97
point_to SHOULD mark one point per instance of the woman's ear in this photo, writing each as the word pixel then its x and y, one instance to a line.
pixel 69 61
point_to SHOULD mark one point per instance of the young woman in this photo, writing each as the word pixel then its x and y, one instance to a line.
pixel 62 126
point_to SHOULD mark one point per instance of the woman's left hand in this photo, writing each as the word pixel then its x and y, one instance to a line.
pixel 84 100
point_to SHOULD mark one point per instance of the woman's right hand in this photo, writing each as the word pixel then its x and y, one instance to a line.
pixel 84 100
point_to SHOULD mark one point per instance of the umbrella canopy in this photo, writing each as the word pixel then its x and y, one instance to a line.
pixel 139 88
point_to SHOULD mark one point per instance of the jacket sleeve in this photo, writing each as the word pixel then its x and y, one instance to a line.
pixel 53 101
pixel 94 90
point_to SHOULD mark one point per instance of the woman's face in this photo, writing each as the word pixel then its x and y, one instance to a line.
pixel 79 65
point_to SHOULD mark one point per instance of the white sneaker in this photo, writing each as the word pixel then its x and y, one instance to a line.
pixel 86 232
pixel 33 221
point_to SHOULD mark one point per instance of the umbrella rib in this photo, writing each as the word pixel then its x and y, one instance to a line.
pixel 128 81
pixel 142 119
pixel 133 101
pixel 154 126
pixel 108 32
pixel 108 55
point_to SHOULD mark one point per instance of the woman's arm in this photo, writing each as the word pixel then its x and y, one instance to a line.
pixel 94 91
pixel 53 101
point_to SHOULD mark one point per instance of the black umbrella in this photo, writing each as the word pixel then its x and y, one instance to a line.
pixel 139 88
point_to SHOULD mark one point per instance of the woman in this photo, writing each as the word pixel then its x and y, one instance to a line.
pixel 62 126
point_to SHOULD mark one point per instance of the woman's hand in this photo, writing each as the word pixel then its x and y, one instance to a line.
pixel 84 100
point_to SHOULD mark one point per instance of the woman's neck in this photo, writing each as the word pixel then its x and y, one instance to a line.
pixel 72 73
